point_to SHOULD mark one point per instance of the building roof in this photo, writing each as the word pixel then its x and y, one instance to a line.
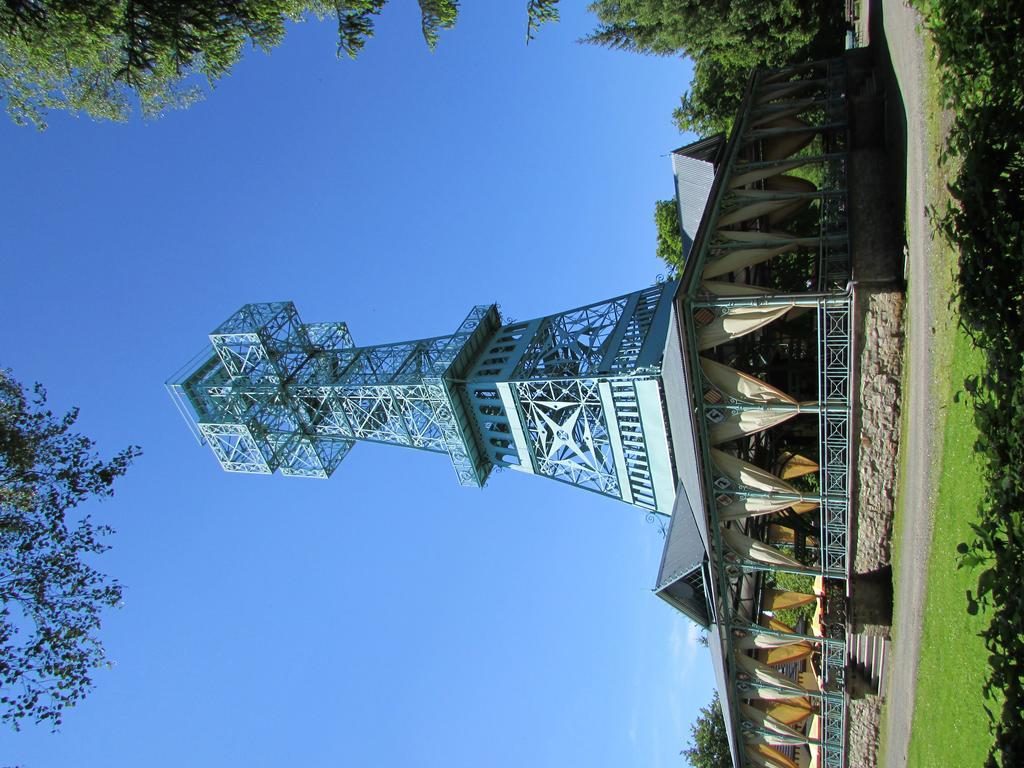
pixel 709 149
pixel 693 167
pixel 682 578
pixel 675 377
pixel 699 185
pixel 684 548
pixel 717 645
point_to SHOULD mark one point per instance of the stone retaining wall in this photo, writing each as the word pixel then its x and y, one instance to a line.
pixel 879 330
pixel 879 403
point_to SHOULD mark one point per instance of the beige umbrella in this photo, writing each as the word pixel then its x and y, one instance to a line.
pixel 780 534
pixel 750 476
pixel 786 145
pixel 768 757
pixel 805 506
pixel 764 693
pixel 794 184
pixel 752 549
pixel 742 386
pixel 736 322
pixel 816 627
pixel 775 210
pixel 763 245
pixel 763 674
pixel 725 288
pixel 814 731
pixel 766 722
pixel 733 261
pixel 784 91
pixel 778 599
pixel 792 465
pixel 778 626
pixel 751 506
pixel 749 422
pixel 783 534
pixel 789 653
pixel 755 641
pixel 742 179
pixel 809 679
pixel 758 236
pixel 790 712
pixel 774 183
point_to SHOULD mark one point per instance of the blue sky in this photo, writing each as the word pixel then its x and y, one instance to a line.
pixel 387 616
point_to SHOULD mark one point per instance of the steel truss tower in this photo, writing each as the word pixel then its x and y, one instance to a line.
pixel 577 396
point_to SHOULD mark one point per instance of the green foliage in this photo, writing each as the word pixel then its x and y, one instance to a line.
pixel 725 39
pixel 794 582
pixel 50 595
pixel 792 271
pixel 105 57
pixel 69 61
pixel 981 57
pixel 437 15
pixel 710 742
pixel 539 12
pixel 710 105
pixel 355 24
pixel 953 662
pixel 670 239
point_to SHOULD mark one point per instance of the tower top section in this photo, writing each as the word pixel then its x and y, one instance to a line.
pixel 274 393
pixel 577 396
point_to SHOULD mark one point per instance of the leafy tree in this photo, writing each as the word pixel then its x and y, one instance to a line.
pixel 716 90
pixel 710 743
pixel 725 39
pixel 102 57
pixel 51 596
pixel 670 239
pixel 794 582
pixel 539 12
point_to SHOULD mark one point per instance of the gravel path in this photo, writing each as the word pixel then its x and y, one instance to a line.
pixel 921 448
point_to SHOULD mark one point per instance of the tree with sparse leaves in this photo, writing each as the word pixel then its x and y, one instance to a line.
pixel 103 57
pixel 710 743
pixel 51 596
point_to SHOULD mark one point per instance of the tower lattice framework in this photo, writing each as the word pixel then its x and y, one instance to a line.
pixel 577 396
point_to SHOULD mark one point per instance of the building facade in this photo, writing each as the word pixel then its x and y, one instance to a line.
pixel 759 545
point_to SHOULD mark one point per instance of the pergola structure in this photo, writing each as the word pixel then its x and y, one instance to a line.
pixel 765 311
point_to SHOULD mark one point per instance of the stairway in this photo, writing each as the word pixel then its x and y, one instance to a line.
pixel 867 656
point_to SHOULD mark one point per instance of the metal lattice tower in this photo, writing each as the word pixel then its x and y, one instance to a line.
pixel 577 396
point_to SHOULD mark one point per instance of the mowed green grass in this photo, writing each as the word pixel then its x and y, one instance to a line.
pixel 950 725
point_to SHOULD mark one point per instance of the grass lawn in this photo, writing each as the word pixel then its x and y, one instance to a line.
pixel 950 726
